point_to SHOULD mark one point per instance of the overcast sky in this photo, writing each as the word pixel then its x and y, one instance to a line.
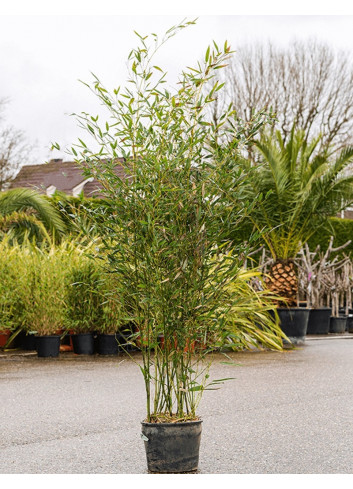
pixel 44 56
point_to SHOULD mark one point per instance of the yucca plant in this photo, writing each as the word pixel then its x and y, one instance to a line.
pixel 300 187
pixel 251 321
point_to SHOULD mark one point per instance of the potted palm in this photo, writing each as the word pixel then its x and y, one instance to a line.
pixel 302 185
pixel 161 234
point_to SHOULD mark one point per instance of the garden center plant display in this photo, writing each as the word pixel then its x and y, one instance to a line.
pixel 301 186
pixel 162 228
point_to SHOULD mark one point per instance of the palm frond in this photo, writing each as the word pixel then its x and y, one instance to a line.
pixel 28 201
pixel 301 185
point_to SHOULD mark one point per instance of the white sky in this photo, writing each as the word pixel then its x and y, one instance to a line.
pixel 43 56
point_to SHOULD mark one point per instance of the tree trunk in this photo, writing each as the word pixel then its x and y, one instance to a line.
pixel 282 280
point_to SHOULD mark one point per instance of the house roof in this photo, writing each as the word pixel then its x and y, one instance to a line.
pixel 64 176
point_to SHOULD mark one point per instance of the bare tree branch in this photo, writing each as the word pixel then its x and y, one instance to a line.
pixel 14 149
pixel 307 83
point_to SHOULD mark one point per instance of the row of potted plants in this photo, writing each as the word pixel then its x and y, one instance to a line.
pixel 324 281
pixel 57 294
pixel 50 290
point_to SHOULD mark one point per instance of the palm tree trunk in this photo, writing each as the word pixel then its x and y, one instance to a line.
pixel 282 280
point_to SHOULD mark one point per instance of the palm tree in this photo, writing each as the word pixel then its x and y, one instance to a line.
pixel 25 211
pixel 301 187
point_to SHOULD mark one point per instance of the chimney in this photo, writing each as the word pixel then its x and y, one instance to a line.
pixel 56 160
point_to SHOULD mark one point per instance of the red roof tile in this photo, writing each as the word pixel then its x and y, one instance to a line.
pixel 63 175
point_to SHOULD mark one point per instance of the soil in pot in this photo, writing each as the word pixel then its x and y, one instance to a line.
pixel 172 447
pixel 338 324
pixel 108 344
pixel 319 321
pixel 48 346
pixel 294 322
pixel 83 343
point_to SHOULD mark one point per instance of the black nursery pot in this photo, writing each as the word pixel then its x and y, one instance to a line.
pixel 319 321
pixel 48 346
pixel 349 324
pixel 172 447
pixel 338 324
pixel 83 343
pixel 29 342
pixel 108 344
pixel 294 322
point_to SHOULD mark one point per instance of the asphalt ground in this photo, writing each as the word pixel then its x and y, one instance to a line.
pixel 284 413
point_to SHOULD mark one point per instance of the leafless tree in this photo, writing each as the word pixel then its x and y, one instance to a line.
pixel 306 83
pixel 14 149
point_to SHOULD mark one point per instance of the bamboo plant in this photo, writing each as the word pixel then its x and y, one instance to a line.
pixel 13 278
pixel 83 309
pixel 44 304
pixel 162 224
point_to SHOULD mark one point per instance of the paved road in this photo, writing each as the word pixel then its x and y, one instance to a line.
pixel 289 412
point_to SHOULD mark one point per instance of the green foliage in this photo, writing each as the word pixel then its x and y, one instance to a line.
pixel 251 321
pixel 300 187
pixel 113 317
pixel 13 276
pixel 83 310
pixel 25 212
pixel 45 289
pixel 340 229
pixel 78 213
pixel 164 229
pixel 46 282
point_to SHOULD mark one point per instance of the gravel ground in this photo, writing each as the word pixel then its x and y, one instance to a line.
pixel 284 413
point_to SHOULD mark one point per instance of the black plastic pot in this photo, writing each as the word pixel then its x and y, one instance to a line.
pixel 83 343
pixel 172 447
pixel 319 321
pixel 48 346
pixel 108 344
pixel 29 342
pixel 349 324
pixel 338 324
pixel 294 322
